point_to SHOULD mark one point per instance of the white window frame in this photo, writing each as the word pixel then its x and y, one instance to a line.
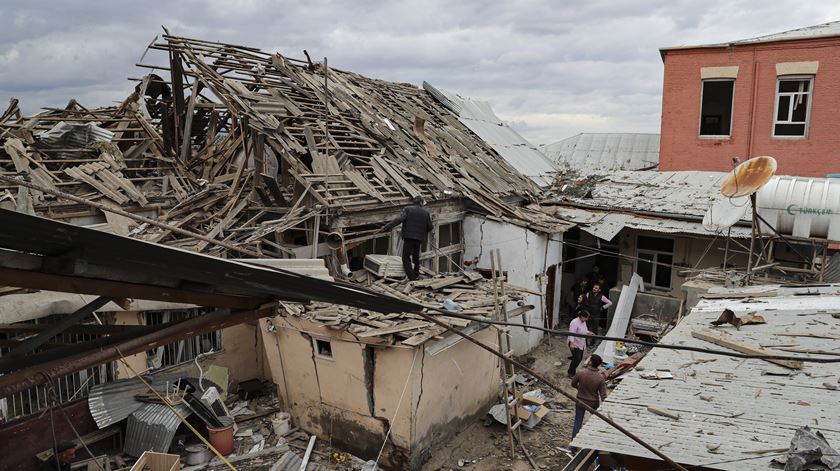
pixel 731 110
pixel 654 263
pixel 809 105
pixel 318 354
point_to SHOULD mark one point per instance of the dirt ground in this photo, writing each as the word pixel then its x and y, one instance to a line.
pixel 489 446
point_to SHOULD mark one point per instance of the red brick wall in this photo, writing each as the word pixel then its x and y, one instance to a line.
pixel 752 120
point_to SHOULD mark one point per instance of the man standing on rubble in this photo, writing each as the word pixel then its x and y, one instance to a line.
pixel 597 305
pixel 416 224
pixel 577 345
pixel 592 390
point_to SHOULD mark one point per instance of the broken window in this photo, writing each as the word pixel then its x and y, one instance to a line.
pixel 716 108
pixel 323 348
pixel 654 260
pixel 67 388
pixel 792 106
pixel 183 350
pixel 450 247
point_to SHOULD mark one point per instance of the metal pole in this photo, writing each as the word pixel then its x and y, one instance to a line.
pixel 557 388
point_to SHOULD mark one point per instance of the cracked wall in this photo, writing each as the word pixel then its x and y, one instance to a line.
pixel 526 255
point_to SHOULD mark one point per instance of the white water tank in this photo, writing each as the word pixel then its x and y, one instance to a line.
pixel 801 207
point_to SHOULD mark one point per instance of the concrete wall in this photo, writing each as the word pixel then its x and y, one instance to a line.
pixel 366 388
pixel 526 255
pixel 681 148
pixel 241 352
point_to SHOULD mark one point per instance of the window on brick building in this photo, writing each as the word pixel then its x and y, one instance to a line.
pixel 716 107
pixel 793 103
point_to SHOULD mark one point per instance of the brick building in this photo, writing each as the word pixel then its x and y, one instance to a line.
pixel 775 95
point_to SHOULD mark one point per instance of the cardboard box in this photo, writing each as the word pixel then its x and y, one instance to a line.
pixel 157 462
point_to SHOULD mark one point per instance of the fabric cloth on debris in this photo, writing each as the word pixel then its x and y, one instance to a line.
pixel 416 223
pixel 590 384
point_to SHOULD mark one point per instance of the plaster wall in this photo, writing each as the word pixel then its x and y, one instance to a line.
pixel 526 255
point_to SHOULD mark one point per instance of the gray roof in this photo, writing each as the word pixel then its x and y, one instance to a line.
pixel 754 405
pixel 824 30
pixel 588 152
pixel 685 195
pixel 605 225
pixel 515 149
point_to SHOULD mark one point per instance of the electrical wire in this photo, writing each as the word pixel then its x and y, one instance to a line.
pixel 57 403
pixel 689 348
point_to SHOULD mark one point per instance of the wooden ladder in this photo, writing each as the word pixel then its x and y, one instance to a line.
pixel 511 398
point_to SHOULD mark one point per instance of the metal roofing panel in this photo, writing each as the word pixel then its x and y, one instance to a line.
pixel 152 427
pixel 130 260
pixel 753 402
pixel 112 402
pixel 605 225
pixel 592 152
pixel 824 30
pixel 479 117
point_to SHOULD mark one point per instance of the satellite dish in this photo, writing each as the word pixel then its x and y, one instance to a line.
pixel 749 176
pixel 725 213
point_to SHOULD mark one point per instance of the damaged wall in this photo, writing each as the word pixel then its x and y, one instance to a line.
pixel 526 256
pixel 355 396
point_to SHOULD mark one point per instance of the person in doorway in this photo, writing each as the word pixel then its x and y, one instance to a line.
pixel 597 305
pixel 416 225
pixel 594 274
pixel 577 345
pixel 64 453
pixel 581 287
pixel 591 390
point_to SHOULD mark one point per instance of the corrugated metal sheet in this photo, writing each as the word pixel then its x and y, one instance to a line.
pixel 802 207
pixel 151 428
pixel 688 193
pixel 754 404
pixel 589 152
pixel 824 30
pixel 515 149
pixel 606 225
pixel 71 136
pixel 112 402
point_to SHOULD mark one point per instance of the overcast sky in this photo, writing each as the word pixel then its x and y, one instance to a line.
pixel 551 69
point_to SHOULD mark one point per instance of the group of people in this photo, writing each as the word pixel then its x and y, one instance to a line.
pixel 591 305
pixel 591 297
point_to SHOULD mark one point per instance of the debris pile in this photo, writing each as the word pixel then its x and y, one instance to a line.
pixel 469 291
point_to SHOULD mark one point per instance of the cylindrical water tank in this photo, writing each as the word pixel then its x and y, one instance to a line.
pixel 801 207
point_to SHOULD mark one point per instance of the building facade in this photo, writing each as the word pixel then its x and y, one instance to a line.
pixel 774 95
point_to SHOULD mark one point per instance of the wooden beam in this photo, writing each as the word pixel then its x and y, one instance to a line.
pixel 742 347
pixel 76 284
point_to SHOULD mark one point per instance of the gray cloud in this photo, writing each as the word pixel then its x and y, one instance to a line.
pixel 551 69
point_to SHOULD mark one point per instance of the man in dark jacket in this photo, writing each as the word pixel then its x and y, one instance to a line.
pixel 416 224
pixel 64 453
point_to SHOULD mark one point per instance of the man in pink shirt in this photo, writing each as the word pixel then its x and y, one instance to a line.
pixel 577 344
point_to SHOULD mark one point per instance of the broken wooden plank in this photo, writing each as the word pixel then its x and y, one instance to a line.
pixel 405 326
pixel 664 412
pixel 738 346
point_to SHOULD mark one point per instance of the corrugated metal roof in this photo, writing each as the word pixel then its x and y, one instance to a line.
pixel 515 149
pixel 754 404
pixel 605 225
pixel 152 427
pixel 588 152
pixel 112 402
pixel 824 30
pixel 688 194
